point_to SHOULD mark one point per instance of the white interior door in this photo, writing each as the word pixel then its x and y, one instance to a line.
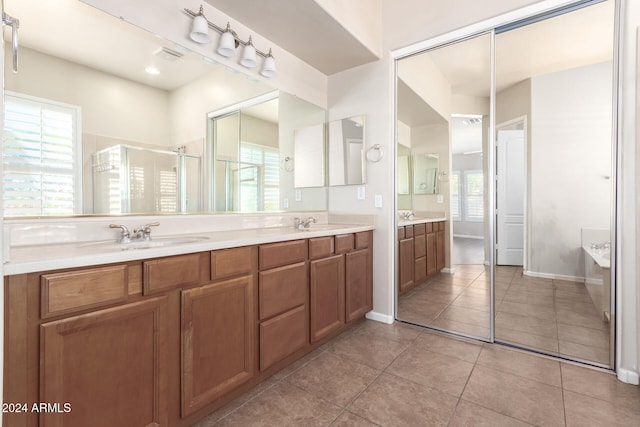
pixel 510 198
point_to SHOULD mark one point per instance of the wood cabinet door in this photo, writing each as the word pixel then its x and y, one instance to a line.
pixel 432 266
pixel 358 284
pixel 326 296
pixel 440 250
pixel 406 265
pixel 109 366
pixel 218 340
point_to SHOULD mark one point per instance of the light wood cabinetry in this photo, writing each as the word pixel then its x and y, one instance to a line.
pixel 165 341
pixel 109 366
pixel 440 247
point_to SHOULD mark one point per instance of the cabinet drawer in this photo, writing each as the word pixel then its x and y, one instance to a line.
pixel 429 227
pixel 283 335
pixel 363 239
pixel 320 247
pixel 441 226
pixel 232 262
pixel 282 289
pixel 418 229
pixel 173 272
pixel 79 290
pixel 408 231
pixel 400 233
pixel 344 243
pixel 283 253
pixel 419 246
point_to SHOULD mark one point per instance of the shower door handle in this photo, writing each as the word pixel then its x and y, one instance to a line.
pixel 14 24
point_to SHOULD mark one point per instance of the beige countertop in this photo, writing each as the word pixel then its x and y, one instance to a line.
pixel 45 257
pixel 418 220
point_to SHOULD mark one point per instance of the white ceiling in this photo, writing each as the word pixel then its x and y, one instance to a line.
pixel 302 28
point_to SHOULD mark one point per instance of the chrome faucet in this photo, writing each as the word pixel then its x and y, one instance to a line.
pixel 408 215
pixel 140 234
pixel 303 224
pixel 600 246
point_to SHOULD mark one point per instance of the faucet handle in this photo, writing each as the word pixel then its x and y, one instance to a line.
pixel 125 236
pixel 146 230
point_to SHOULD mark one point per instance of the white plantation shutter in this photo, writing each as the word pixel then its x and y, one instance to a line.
pixel 259 185
pixel 41 157
pixel 474 185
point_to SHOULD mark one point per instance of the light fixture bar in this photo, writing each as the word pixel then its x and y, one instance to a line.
pixel 221 30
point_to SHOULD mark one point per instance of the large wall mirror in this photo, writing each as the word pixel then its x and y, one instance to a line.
pixel 346 151
pixel 547 178
pixel 105 118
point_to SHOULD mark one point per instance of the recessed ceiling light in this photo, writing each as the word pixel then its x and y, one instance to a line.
pixel 152 70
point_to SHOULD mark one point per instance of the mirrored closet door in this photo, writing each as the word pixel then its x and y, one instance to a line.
pixel 515 178
pixel 443 108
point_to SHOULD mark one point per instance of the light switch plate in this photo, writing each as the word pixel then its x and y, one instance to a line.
pixel 285 203
pixel 361 195
pixel 439 198
pixel 298 195
pixel 377 201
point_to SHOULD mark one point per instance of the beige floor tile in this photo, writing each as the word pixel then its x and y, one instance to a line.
pixel 466 315
pixel 575 306
pixel 536 342
pixel 472 302
pixel 449 346
pixel 288 370
pixel 283 404
pixel 601 385
pixel 444 373
pixel 370 350
pixel 396 331
pixel 584 352
pixel 593 320
pixel 419 312
pixel 524 297
pixel 333 378
pixel 349 419
pixel 521 364
pixel 587 411
pixel 585 336
pixel 538 311
pixel 517 397
pixel 527 324
pixel 469 414
pixel 393 401
pixel 464 328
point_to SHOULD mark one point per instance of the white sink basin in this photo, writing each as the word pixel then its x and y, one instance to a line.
pixel 158 242
pixel 323 227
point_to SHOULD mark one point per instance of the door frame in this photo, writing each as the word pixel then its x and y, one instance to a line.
pixel 527 191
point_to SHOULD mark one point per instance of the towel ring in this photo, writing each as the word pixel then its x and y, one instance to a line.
pixel 374 154
pixel 287 164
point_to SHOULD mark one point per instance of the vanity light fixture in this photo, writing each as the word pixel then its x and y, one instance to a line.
pixel 229 42
pixel 200 28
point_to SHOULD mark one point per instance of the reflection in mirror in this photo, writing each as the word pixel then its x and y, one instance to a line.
pixel 309 156
pixel 403 170
pixel 97 96
pixel 433 88
pixel 346 151
pixel 554 155
pixel 425 173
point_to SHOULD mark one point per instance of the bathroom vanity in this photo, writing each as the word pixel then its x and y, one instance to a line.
pixel 163 336
pixel 421 251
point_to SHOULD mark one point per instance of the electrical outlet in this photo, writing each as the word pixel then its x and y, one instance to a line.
pixel 361 193
pixel 377 201
pixel 298 195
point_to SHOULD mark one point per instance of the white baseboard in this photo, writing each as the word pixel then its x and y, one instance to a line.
pixel 627 376
pixel 448 270
pixel 553 276
pixel 379 317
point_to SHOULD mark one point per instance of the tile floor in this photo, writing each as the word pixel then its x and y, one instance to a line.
pixel 552 316
pixel 399 375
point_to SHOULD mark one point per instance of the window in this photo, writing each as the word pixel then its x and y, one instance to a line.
pixel 41 157
pixel 474 200
pixel 467 195
pixel 455 196
pixel 259 178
